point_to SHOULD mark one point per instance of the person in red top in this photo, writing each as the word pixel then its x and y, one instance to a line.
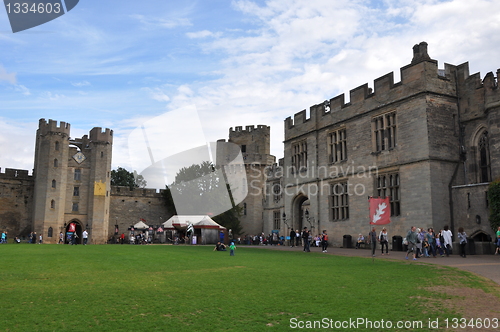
pixel 324 241
pixel 122 238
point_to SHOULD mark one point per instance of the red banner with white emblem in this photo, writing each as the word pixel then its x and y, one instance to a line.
pixel 380 211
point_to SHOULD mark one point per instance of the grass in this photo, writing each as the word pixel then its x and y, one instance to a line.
pixel 192 288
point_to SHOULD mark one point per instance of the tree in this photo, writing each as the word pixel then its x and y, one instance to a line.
pixel 122 177
pixel 203 189
pixel 494 203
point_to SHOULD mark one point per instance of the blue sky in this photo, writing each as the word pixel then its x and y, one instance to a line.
pixel 117 64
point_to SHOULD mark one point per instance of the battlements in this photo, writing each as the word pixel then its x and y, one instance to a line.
pixel 45 127
pixel 248 129
pixel 12 173
pixel 135 192
pixel 422 74
pixel 97 135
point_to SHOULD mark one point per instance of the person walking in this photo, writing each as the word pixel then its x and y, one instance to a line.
pixel 372 236
pixel 463 241
pixel 305 239
pixel 447 235
pixel 431 239
pixel 411 237
pixel 85 236
pixel 292 237
pixel 232 247
pixel 384 240
pixel 324 241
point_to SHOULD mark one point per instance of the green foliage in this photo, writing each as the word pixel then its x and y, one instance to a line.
pixel 192 288
pixel 494 203
pixel 122 177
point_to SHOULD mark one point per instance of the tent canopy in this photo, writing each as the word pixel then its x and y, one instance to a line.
pixel 198 221
pixel 141 225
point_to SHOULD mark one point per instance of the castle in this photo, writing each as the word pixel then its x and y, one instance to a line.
pixel 430 142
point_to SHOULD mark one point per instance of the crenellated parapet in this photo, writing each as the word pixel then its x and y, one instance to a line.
pixel 420 76
pixel 51 126
pixel 98 135
pixel 15 174
pixel 248 129
pixel 135 192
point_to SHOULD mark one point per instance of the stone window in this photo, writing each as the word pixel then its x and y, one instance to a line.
pixel 299 156
pixel 56 163
pixel 277 220
pixel 243 148
pixel 54 184
pixel 76 191
pixel 78 175
pixel 484 158
pixel 50 232
pixel 337 146
pixel 74 208
pixel 384 132
pixel 52 204
pixel 244 209
pixel 276 191
pixel 57 146
pixel 339 201
pixel 388 186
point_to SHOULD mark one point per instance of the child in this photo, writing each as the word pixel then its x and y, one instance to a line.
pixel 231 249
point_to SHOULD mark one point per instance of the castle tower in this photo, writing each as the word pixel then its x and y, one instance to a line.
pixel 255 148
pixel 72 182
pixel 51 163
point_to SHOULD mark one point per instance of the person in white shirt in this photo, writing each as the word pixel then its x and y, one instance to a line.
pixel 85 236
pixel 446 233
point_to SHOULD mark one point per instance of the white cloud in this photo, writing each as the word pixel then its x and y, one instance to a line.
pixel 157 94
pixel 202 34
pixel 9 77
pixel 81 84
pixel 156 22
pixel 21 88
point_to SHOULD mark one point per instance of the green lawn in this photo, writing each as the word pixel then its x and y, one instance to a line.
pixel 192 288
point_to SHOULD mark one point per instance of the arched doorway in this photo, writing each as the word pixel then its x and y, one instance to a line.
pixel 300 204
pixel 73 227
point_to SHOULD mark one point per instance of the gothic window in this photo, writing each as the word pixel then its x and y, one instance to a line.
pixel 56 163
pixel 276 191
pixel 388 185
pixel 277 219
pixel 384 132
pixel 57 146
pixel 54 183
pixel 52 204
pixel 299 156
pixel 484 158
pixel 50 232
pixel 337 146
pixel 339 201
pixel 78 175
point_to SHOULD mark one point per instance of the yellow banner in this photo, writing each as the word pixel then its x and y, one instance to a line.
pixel 99 189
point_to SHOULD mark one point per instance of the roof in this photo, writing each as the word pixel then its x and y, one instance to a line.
pixel 198 221
pixel 141 225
